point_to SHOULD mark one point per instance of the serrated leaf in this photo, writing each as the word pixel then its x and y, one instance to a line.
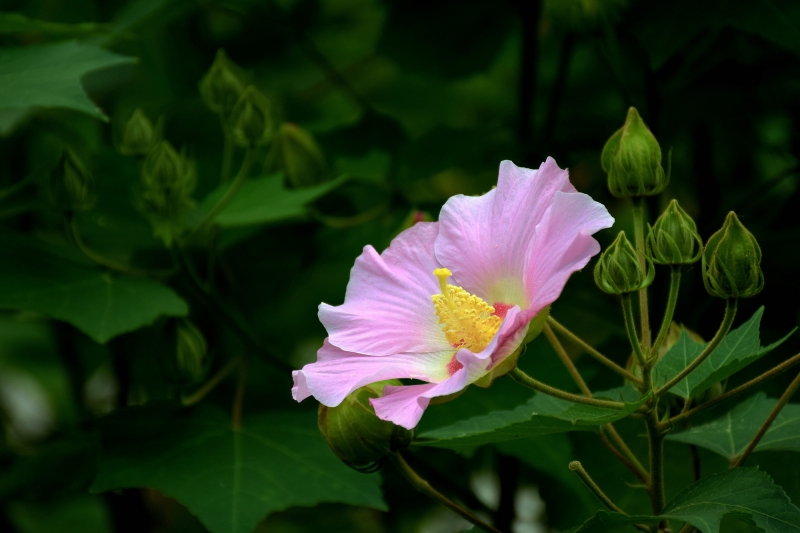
pixel 738 349
pixel 730 434
pixel 49 75
pixel 541 415
pixel 101 304
pixel 741 492
pixel 745 492
pixel 265 200
pixel 229 479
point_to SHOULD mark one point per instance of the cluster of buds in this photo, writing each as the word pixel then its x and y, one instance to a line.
pixel 168 180
pixel 618 271
pixel 69 184
pixel 296 154
pixel 356 435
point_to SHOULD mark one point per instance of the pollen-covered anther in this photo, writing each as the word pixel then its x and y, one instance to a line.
pixel 467 320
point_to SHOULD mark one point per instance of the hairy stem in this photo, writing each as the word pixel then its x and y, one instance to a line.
pixel 655 441
pixel 591 350
pixel 229 195
pixel 638 471
pixel 724 328
pixel 630 328
pixel 211 384
pixel 524 379
pixel 565 358
pixel 425 488
pixel 638 230
pixel 587 480
pixel 784 399
pixel 672 299
pixel 741 389
pixel 637 467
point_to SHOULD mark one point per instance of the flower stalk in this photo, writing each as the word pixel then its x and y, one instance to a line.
pixel 527 381
pixel 672 300
pixel 587 480
pixel 638 229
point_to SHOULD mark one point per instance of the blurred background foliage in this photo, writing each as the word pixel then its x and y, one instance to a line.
pixel 406 103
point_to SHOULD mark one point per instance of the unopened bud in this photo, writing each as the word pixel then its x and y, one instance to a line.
pixel 168 180
pixel 618 270
pixel 190 350
pixel 139 135
pixel 69 185
pixel 356 435
pixel 251 119
pixel 732 262
pixel 673 239
pixel 222 85
pixel 632 160
pixel 295 153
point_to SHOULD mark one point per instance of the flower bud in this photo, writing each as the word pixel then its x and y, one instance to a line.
pixel 251 119
pixel 673 239
pixel 139 135
pixel 295 153
pixel 356 435
pixel 632 160
pixel 222 85
pixel 69 184
pixel 618 270
pixel 168 180
pixel 732 262
pixel 190 350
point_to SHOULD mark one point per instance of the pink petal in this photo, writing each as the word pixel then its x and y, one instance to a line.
pixel 562 245
pixel 337 373
pixel 482 240
pixel 387 308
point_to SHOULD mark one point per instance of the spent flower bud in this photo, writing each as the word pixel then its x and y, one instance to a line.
pixel 295 153
pixel 356 435
pixel 222 85
pixel 673 239
pixel 139 136
pixel 251 119
pixel 190 350
pixel 69 184
pixel 732 262
pixel 632 160
pixel 618 270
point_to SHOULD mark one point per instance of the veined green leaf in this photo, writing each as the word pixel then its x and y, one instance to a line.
pixel 229 479
pixel 730 434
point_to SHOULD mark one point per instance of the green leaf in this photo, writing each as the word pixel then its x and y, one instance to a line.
pixel 738 349
pixel 12 23
pixel 541 415
pixel 100 304
pixel 740 492
pixel 744 492
pixel 229 479
pixel 74 513
pixel 49 75
pixel 730 434
pixel 265 201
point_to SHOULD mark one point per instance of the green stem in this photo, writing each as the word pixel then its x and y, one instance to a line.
pixel 724 328
pixel 741 389
pixel 634 465
pixel 655 442
pixel 591 350
pixel 672 299
pixel 630 328
pixel 238 401
pixel 638 230
pixel 565 358
pixel 209 385
pixel 229 195
pixel 587 480
pixel 524 379
pixel 227 150
pixel 425 488
pixel 787 395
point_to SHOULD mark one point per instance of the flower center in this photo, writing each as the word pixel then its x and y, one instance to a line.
pixel 467 321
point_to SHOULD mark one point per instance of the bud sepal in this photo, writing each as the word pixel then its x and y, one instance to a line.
pixel 732 262
pixel 251 119
pixel 673 239
pixel 618 270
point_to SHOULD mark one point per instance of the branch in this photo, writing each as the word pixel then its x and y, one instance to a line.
pixel 525 380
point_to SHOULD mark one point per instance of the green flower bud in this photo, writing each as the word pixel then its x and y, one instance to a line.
pixel 295 153
pixel 251 118
pixel 618 271
pixel 222 85
pixel 356 435
pixel 673 239
pixel 632 160
pixel 732 262
pixel 168 180
pixel 139 135
pixel 190 350
pixel 69 184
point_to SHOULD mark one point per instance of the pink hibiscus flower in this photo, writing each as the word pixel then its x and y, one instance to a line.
pixel 448 301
